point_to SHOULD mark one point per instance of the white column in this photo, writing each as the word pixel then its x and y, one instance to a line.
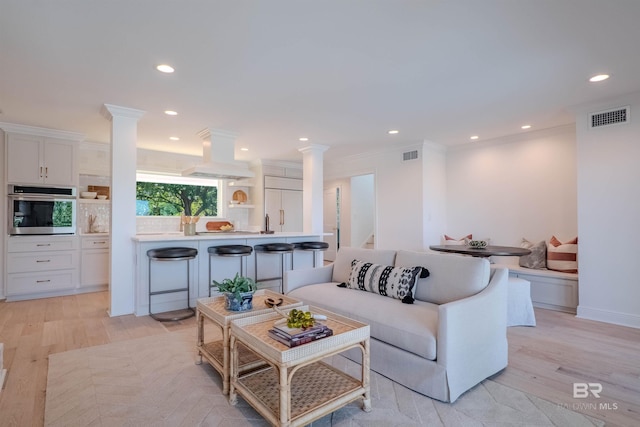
pixel 312 186
pixel 122 259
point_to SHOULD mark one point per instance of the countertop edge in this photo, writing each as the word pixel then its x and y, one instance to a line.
pixel 142 238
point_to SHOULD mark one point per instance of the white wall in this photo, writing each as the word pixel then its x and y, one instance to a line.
pixel 434 193
pixel 507 189
pixel 399 194
pixel 609 216
pixel 3 213
pixel 362 208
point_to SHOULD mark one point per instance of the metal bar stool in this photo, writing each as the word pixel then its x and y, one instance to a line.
pixel 312 246
pixel 276 249
pixel 241 251
pixel 171 254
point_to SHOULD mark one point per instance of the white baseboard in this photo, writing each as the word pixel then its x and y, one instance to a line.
pixel 617 318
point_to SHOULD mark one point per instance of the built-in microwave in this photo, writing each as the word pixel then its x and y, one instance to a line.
pixel 41 210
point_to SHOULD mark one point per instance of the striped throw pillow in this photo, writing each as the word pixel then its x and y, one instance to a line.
pixel 447 240
pixel 394 282
pixel 562 256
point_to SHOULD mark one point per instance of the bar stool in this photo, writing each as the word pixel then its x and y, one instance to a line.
pixel 241 251
pixel 171 254
pixel 312 246
pixel 276 249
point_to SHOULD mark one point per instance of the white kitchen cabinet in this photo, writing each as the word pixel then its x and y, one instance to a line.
pixel 284 208
pixel 94 159
pixel 94 262
pixel 41 265
pixel 33 159
pixel 283 203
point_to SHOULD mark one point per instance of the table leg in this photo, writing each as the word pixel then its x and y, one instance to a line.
pixel 285 398
pixel 200 326
pixel 233 398
pixel 366 404
pixel 226 365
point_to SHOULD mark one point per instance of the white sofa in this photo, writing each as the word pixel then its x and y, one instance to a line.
pixel 451 338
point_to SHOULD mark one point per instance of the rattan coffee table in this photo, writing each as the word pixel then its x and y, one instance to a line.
pixel 217 352
pixel 297 387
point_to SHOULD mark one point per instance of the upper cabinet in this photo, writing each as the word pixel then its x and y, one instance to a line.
pixel 41 159
pixel 283 203
pixel 94 158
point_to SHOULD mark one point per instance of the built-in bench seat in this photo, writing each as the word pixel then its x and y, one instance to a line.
pixel 550 289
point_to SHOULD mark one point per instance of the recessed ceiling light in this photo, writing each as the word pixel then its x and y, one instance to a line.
pixel 525 127
pixel 164 68
pixel 599 78
pixel 393 132
pixel 474 137
pixel 303 139
pixel 170 113
pixel 174 138
pixel 244 149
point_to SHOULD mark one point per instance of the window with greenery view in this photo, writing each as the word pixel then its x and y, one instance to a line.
pixel 174 199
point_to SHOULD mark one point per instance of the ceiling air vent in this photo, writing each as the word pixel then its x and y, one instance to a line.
pixel 609 117
pixel 410 155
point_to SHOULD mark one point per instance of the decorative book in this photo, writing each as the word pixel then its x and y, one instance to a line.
pixel 309 335
pixel 281 326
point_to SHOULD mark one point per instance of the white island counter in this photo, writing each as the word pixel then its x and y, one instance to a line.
pixel 173 274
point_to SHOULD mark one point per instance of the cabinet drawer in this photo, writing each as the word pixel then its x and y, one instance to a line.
pixel 27 262
pixel 95 243
pixel 28 244
pixel 94 268
pixel 25 283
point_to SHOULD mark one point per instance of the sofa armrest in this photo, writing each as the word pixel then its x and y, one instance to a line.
pixel 472 335
pixel 307 276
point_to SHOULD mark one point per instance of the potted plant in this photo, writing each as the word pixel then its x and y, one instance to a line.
pixel 238 292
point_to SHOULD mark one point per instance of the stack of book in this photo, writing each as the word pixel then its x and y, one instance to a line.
pixel 293 337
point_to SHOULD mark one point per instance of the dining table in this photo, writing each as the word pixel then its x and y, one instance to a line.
pixel 487 251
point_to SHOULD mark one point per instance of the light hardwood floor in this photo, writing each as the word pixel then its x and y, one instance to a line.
pixel 544 361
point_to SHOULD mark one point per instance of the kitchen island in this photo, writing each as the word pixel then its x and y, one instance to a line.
pixel 169 275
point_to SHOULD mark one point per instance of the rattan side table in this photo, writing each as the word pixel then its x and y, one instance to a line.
pixel 217 352
pixel 297 387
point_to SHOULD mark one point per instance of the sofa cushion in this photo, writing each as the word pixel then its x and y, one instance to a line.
pixel 452 277
pixel 385 280
pixel 410 327
pixel 562 256
pixel 342 264
pixel 538 256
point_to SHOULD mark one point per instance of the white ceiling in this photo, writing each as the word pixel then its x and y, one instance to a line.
pixel 340 72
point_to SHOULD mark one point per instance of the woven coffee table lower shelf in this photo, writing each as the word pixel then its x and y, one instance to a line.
pixel 298 387
pixel 217 352
pixel 313 386
pixel 214 353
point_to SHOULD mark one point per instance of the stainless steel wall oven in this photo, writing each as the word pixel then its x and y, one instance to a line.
pixel 41 210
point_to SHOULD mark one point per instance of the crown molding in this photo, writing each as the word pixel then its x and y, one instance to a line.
pixel 38 131
pixel 110 111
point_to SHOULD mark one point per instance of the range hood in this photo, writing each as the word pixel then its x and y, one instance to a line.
pixel 218 157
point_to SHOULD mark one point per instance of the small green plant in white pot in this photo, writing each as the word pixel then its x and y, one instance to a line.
pixel 238 292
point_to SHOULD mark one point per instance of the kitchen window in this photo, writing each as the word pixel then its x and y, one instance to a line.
pixel 168 195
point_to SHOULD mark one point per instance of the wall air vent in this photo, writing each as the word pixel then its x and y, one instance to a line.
pixel 609 117
pixel 410 155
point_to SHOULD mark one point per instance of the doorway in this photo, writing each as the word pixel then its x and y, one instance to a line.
pixel 331 214
pixel 349 213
